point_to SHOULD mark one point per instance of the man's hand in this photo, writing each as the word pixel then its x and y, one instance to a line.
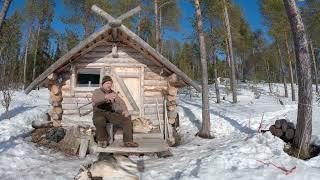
pixel 110 97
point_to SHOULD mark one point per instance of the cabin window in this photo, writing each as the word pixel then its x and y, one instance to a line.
pixel 88 78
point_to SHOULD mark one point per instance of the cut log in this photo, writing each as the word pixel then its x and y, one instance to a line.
pixel 172 91
pixel 52 76
pixel 172 114
pixel 54 89
pixel 41 124
pixel 55 116
pixel 170 103
pixel 278 132
pixel 172 107
pixel 172 121
pixel 284 126
pixel 171 98
pixel 289 134
pixel 56 98
pixel 176 81
pixel 273 129
pixel 279 123
pixel 57 110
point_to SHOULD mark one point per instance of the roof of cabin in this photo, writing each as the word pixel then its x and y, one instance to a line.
pixel 95 37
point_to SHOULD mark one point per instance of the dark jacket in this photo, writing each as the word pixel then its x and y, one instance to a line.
pixel 99 102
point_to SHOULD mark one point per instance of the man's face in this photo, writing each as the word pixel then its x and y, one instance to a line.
pixel 107 85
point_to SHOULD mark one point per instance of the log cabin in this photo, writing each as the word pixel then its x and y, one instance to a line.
pixel 146 80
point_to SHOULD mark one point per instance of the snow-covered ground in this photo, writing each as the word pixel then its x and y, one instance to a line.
pixel 236 152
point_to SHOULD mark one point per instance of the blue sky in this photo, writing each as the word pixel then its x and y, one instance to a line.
pixel 250 10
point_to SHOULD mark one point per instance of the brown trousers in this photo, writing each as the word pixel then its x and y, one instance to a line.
pixel 100 120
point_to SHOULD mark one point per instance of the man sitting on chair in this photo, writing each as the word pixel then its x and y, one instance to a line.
pixel 109 107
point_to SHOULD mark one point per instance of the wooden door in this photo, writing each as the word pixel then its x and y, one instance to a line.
pixel 128 82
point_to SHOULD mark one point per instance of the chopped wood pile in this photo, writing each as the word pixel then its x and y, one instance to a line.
pixel 283 129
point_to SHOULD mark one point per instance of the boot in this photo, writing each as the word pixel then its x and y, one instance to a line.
pixel 103 144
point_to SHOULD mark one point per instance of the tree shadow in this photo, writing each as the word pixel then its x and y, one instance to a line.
pixel 233 122
pixel 5 145
pixel 13 112
pixel 196 122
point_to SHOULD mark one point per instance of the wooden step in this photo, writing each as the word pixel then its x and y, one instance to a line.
pixel 147 144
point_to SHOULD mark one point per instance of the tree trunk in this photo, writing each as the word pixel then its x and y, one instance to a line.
pixel 156 25
pixel 268 75
pixel 216 85
pixel 35 53
pixel 282 72
pixel 304 120
pixel 293 94
pixel 230 50
pixel 26 56
pixel 4 11
pixel 314 66
pixel 295 69
pixel 205 129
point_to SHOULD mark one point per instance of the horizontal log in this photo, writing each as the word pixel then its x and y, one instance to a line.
pixel 75 111
pixel 176 81
pixel 56 98
pixel 278 132
pixel 153 93
pixel 153 76
pixel 52 76
pixel 172 91
pixel 170 103
pixel 152 110
pixel 73 100
pixel 153 105
pixel 172 114
pixel 171 120
pixel 171 98
pixel 279 123
pixel 55 104
pixel 55 89
pixel 172 107
pixel 272 129
pixel 41 124
pixel 57 110
pixel 75 106
pixel 155 83
pixel 289 134
pixel 155 88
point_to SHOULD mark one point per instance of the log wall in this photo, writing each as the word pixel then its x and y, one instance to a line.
pixel 154 80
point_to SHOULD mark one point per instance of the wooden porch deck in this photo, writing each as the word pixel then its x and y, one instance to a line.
pixel 148 143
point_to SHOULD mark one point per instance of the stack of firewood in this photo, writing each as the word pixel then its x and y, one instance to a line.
pixel 283 129
pixel 172 104
pixel 55 98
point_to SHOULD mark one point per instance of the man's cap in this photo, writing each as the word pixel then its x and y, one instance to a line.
pixel 106 78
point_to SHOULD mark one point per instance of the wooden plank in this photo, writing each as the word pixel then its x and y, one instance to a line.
pixel 126 92
pixel 146 145
pixel 84 144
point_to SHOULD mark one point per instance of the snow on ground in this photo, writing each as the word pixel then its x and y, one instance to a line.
pixel 234 153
